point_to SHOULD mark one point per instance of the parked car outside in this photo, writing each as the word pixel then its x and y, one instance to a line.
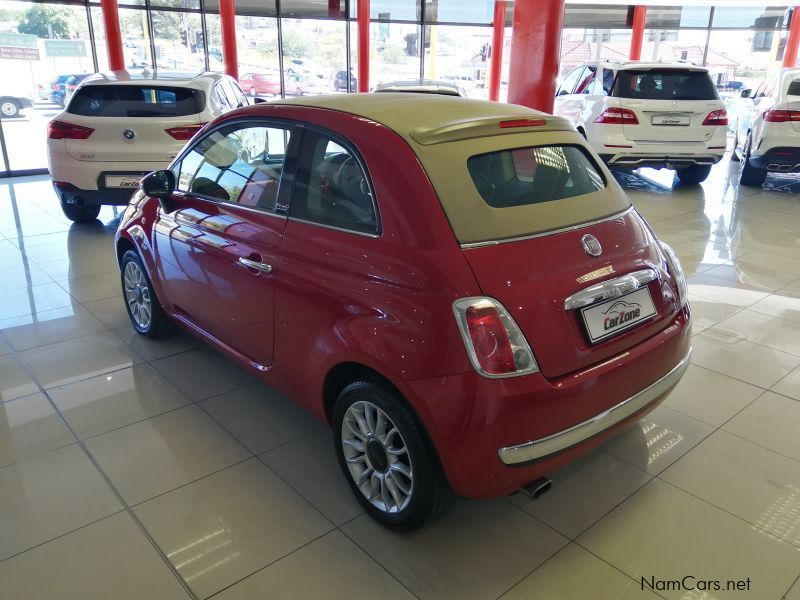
pixel 422 86
pixel 73 83
pixel 339 81
pixel 638 114
pixel 266 82
pixel 121 125
pixel 768 128
pixel 466 328
pixel 14 98
pixel 58 88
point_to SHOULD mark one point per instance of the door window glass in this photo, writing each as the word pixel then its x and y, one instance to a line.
pixel 585 85
pixel 331 187
pixel 569 82
pixel 242 165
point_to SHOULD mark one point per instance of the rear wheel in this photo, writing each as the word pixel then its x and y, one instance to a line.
pixel 84 213
pixel 694 174
pixel 749 174
pixel 9 108
pixel 141 303
pixel 734 155
pixel 387 458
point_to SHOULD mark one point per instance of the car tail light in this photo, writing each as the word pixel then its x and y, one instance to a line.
pixel 184 133
pixel 522 123
pixel 677 272
pixel 494 342
pixel 617 116
pixel 717 117
pixel 781 116
pixel 59 130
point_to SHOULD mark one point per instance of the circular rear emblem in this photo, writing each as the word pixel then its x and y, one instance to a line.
pixel 591 245
pixel 129 134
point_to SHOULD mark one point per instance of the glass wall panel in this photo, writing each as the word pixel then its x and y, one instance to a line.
pixel 257 50
pixel 395 10
pixel 674 45
pixel 214 34
pixel 579 46
pixel 458 11
pixel 247 7
pixel 178 38
pixel 395 52
pixel 179 4
pixel 314 56
pixel 673 17
pixel 595 17
pixel 334 9
pixel 41 46
pixel 756 17
pixel 459 54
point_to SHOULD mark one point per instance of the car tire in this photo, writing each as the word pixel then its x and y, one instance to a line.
pixel 749 174
pixel 734 156
pixel 694 174
pixel 376 434
pixel 9 108
pixel 141 303
pixel 84 213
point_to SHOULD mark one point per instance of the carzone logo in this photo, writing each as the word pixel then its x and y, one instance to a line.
pixel 620 313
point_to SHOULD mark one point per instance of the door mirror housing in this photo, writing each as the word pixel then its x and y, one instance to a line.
pixel 258 100
pixel 158 184
pixel 746 93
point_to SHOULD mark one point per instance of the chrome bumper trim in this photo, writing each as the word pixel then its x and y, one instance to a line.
pixel 613 288
pixel 536 449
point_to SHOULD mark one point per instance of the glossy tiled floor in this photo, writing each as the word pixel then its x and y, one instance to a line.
pixel 135 469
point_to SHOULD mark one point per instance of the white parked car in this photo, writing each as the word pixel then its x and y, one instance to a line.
pixel 637 114
pixel 768 128
pixel 122 125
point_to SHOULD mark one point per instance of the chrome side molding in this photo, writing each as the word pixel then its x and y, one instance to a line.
pixel 613 288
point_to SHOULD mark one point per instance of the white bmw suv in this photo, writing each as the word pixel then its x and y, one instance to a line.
pixel 637 114
pixel 768 128
pixel 122 125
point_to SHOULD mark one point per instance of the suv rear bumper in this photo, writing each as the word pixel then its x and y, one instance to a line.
pixel 783 159
pixel 69 194
pixel 662 161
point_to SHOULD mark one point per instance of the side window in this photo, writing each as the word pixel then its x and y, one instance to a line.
pixel 586 83
pixel 771 85
pixel 219 99
pixel 331 187
pixel 241 164
pixel 569 82
pixel 235 98
pixel 608 80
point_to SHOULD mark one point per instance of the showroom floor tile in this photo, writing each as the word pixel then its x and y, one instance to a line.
pixel 137 468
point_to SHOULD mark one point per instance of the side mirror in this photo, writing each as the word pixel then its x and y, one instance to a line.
pixel 158 184
pixel 562 93
pixel 746 93
pixel 258 100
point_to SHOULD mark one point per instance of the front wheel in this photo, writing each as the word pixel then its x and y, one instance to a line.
pixel 387 458
pixel 141 303
pixel 84 213
pixel 9 108
pixel 748 173
pixel 694 174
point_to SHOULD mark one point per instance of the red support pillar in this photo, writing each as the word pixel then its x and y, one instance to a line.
pixel 116 58
pixel 535 49
pixel 790 53
pixel 637 33
pixel 227 18
pixel 498 34
pixel 363 45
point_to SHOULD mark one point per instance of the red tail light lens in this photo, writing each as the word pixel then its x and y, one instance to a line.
pixel 184 133
pixel 717 117
pixel 617 116
pixel 59 130
pixel 781 116
pixel 494 342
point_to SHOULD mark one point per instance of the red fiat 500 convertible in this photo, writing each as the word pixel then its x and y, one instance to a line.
pixel 460 288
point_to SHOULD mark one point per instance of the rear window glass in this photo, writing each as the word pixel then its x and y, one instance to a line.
pixel 664 84
pixel 136 101
pixel 534 175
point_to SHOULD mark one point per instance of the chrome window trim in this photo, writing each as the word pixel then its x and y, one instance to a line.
pixel 324 226
pixel 532 236
pixel 567 438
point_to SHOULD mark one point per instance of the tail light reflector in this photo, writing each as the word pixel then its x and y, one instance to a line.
pixel 617 116
pixel 717 117
pixel 494 342
pixel 184 133
pixel 59 130
pixel 781 116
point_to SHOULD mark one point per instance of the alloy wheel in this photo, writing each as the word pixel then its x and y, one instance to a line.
pixel 137 295
pixel 9 109
pixel 377 457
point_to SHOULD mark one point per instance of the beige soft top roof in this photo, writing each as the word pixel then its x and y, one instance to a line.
pixel 431 119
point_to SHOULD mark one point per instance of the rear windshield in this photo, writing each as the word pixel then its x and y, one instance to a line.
pixel 535 175
pixel 136 101
pixel 664 84
pixel 794 88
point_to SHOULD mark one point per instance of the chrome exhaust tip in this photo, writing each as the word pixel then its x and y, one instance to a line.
pixel 536 488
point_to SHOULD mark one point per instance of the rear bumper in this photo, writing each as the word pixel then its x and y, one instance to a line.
pixel 494 436
pixel 784 159
pixel 69 194
pixel 661 161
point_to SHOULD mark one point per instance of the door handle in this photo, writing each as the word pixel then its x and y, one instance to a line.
pixel 254 264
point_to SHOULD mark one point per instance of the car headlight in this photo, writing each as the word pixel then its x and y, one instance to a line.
pixel 676 270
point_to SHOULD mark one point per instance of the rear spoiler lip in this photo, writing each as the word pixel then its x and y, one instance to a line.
pixel 486 127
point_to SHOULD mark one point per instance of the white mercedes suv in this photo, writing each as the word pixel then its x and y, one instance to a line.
pixel 122 125
pixel 638 114
pixel 768 128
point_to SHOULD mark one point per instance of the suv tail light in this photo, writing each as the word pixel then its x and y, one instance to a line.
pixel 617 116
pixel 59 130
pixel 781 116
pixel 494 342
pixel 184 133
pixel 717 117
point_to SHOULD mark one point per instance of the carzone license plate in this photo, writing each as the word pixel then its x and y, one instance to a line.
pixel 671 120
pixel 123 181
pixel 612 316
